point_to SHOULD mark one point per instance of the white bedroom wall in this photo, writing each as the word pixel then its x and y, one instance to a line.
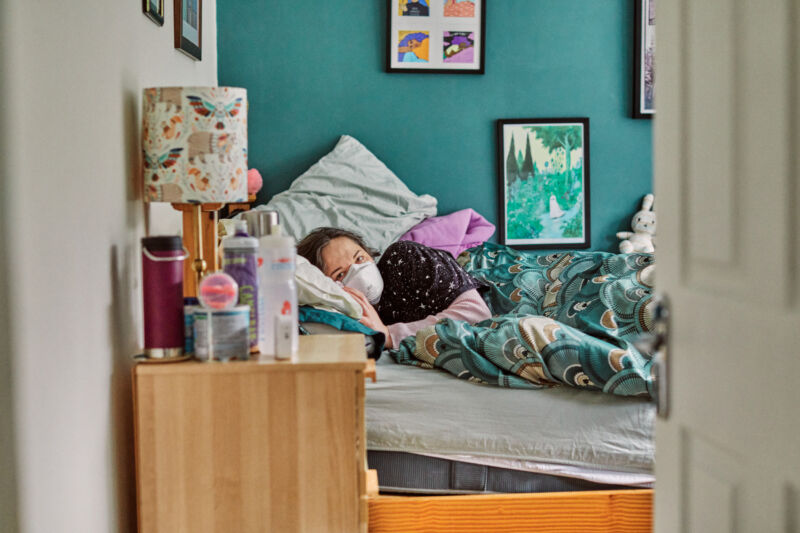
pixel 72 218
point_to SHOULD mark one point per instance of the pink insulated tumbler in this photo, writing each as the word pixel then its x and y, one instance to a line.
pixel 162 285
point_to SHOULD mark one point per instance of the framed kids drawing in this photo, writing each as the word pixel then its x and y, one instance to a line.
pixel 543 170
pixel 436 36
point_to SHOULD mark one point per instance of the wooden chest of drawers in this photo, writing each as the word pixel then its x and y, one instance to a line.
pixel 249 446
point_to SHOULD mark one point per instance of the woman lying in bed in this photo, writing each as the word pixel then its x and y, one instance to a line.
pixel 410 287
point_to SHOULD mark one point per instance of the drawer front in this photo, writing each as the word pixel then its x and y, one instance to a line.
pixel 277 451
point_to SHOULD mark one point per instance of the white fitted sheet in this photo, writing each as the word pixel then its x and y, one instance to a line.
pixel 560 431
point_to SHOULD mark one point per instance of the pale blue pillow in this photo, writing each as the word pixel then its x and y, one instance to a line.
pixel 350 188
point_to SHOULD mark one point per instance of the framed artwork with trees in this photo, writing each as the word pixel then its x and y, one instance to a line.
pixel 543 170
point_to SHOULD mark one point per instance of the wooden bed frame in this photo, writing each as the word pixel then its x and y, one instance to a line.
pixel 619 511
pixel 602 511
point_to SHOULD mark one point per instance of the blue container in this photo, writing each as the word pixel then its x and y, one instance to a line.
pixel 189 306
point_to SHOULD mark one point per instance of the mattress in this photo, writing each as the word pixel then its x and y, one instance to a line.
pixel 562 431
pixel 410 473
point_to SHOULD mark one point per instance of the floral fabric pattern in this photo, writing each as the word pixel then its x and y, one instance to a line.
pixel 194 142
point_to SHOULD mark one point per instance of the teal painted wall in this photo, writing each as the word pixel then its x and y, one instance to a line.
pixel 314 69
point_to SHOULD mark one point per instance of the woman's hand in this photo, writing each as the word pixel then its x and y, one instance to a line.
pixel 370 318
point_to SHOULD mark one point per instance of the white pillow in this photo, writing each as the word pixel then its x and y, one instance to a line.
pixel 351 189
pixel 317 289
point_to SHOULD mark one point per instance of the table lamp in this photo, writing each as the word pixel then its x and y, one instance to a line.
pixel 194 141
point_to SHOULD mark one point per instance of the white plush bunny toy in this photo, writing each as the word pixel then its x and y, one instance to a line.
pixel 642 238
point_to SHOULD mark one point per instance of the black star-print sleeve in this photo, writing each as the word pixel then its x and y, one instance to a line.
pixel 419 281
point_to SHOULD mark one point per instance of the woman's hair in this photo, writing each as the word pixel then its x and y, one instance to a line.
pixel 312 244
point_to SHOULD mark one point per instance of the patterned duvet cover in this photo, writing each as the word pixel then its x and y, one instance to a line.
pixel 559 319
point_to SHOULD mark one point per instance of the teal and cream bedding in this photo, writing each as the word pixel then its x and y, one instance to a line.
pixel 560 319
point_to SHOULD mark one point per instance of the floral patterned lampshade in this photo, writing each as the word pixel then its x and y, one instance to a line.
pixel 194 141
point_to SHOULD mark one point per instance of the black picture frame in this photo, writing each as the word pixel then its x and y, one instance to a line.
pixel 154 10
pixel 189 27
pixel 643 59
pixel 439 28
pixel 541 207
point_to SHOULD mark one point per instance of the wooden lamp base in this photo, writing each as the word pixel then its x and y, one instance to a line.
pixel 242 206
pixel 206 238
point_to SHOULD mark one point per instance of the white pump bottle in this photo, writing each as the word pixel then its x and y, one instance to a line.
pixel 278 291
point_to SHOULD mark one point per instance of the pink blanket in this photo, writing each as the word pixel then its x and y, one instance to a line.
pixel 454 232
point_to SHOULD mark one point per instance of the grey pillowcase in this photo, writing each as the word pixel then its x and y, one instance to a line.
pixel 350 188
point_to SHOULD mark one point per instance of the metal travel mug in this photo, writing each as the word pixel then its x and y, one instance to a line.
pixel 260 223
pixel 162 286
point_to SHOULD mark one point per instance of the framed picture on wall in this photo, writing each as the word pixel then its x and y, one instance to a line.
pixel 643 57
pixel 189 27
pixel 154 9
pixel 436 36
pixel 543 171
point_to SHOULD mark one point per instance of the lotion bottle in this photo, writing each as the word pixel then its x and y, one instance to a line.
pixel 279 321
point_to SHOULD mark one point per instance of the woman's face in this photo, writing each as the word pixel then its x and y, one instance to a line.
pixel 339 254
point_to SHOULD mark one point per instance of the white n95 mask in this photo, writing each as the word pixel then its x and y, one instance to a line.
pixel 366 278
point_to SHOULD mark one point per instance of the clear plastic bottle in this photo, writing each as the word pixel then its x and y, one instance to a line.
pixel 279 333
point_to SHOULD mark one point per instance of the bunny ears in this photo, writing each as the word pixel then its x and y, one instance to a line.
pixel 647 202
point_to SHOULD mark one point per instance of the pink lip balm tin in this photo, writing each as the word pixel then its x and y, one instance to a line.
pixel 221 328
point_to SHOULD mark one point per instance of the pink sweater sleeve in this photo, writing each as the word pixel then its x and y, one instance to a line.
pixel 469 306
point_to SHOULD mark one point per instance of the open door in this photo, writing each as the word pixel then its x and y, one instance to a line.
pixel 727 149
